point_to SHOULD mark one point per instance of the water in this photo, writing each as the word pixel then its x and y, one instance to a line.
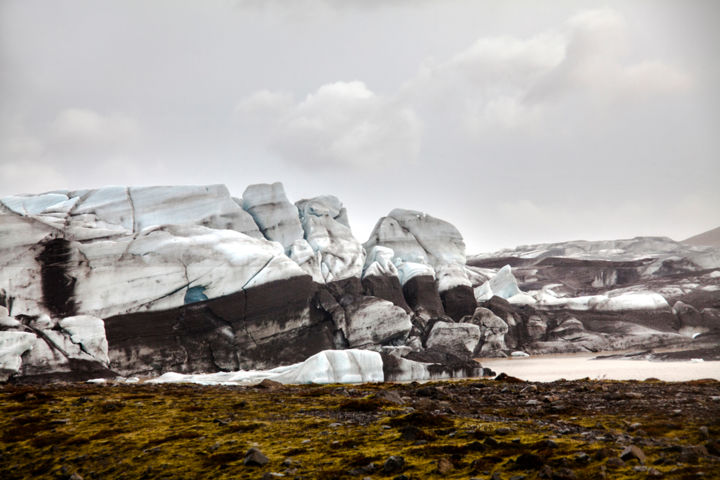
pixel 548 368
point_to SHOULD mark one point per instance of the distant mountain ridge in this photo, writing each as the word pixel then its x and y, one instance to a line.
pixel 711 238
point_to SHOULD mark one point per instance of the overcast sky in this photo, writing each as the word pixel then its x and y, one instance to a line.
pixel 517 121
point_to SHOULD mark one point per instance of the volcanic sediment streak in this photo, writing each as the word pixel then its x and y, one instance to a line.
pixel 58 286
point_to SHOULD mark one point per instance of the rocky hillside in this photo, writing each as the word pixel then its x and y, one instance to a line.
pixel 147 280
pixel 711 238
pixel 607 295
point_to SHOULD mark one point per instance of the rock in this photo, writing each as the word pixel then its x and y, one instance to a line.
pixel 458 301
pixel 269 384
pixel 393 464
pixel 504 377
pixel 713 447
pixel 492 332
pixel 255 458
pixel 422 296
pixel 390 396
pixel 454 336
pixel 444 466
pixel 692 453
pixel 602 453
pixel 528 461
pixel 633 452
pixel 614 462
pixel 374 321
pixel 688 315
pixel 563 473
pixel 536 327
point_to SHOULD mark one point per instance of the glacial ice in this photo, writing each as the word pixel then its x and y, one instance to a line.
pixel 273 213
pixel 12 345
pixel 408 270
pixel 379 261
pixel 307 259
pixel 325 225
pixel 503 284
pixel 89 333
pixel 422 245
pixel 159 266
pixel 623 301
pixel 328 366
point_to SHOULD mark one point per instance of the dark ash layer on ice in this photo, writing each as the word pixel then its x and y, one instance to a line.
pixel 148 280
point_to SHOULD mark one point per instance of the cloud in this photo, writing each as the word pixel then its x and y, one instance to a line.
pixel 34 160
pixel 342 123
pixel 596 64
pixel 511 83
pixel 551 81
pixel 29 177
pixel 81 129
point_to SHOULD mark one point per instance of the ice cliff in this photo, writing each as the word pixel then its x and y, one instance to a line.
pixel 144 280
pixel 188 279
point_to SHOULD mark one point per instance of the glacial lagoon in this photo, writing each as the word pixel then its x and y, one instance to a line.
pixel 574 366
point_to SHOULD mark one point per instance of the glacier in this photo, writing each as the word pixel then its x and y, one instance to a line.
pixel 143 281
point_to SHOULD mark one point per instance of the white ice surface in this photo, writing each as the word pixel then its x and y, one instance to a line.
pixel 324 221
pixel 89 332
pixel 408 270
pixel 159 265
pixel 417 238
pixel 450 276
pixel 12 345
pixel 307 259
pixel 154 241
pixel 379 261
pixel 623 301
pixel 503 284
pixel 277 218
pixel 329 366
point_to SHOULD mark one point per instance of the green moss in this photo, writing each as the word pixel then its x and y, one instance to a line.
pixel 184 431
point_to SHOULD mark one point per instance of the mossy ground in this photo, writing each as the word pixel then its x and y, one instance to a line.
pixel 461 429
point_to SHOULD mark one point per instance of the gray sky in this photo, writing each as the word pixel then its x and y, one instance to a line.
pixel 517 121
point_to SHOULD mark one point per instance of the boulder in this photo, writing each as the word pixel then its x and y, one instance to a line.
pixel 492 332
pixel 454 337
pixel 372 321
pixel 536 327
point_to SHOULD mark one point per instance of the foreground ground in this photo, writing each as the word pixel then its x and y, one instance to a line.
pixel 499 429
